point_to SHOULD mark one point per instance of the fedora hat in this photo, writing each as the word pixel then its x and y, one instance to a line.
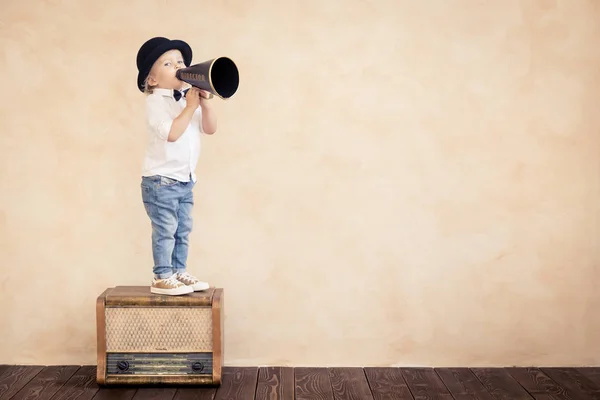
pixel 151 51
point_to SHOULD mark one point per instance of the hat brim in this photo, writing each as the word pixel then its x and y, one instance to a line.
pixel 183 47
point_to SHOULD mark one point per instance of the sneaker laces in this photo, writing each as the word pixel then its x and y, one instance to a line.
pixel 185 275
pixel 172 280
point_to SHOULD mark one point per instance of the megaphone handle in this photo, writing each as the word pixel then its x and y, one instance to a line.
pixel 210 95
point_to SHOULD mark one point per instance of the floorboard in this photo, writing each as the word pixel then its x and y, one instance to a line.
pixel 539 385
pixel 275 383
pixel 72 382
pixel 193 393
pixel 151 393
pixel 577 384
pixel 349 384
pixel 4 368
pixel 387 384
pixel 45 384
pixel 463 384
pixel 592 373
pixel 312 384
pixel 13 379
pixel 81 386
pixel 500 384
pixel 115 393
pixel 425 384
pixel 238 384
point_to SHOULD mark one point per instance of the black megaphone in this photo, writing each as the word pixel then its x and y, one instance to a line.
pixel 218 76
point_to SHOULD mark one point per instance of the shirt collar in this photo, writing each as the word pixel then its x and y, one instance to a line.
pixel 163 92
pixel 168 92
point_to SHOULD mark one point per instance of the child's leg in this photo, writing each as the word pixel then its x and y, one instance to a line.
pixel 184 228
pixel 161 201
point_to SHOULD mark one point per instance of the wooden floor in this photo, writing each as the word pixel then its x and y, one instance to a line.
pixel 240 383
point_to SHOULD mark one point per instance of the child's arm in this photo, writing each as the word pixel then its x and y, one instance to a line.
pixel 161 122
pixel 209 115
pixel 180 123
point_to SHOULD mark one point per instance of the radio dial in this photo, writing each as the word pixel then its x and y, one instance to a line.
pixel 123 365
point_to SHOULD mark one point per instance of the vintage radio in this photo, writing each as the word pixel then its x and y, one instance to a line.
pixel 145 338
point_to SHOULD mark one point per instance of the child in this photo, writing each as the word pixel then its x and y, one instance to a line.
pixel 175 120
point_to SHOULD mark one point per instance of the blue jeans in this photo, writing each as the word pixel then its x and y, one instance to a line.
pixel 169 204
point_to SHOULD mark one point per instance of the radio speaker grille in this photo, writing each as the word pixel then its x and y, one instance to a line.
pixel 159 329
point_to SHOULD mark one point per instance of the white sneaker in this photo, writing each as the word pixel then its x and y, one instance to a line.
pixel 190 280
pixel 169 286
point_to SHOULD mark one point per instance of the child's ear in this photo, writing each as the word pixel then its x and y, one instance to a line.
pixel 151 80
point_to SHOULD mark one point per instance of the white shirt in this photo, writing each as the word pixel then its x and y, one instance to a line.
pixel 178 159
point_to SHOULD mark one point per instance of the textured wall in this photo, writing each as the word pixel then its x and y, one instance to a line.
pixel 396 182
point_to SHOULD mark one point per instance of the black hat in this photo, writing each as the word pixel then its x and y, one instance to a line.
pixel 153 49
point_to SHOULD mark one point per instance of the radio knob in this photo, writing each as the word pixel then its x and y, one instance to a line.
pixel 197 366
pixel 123 365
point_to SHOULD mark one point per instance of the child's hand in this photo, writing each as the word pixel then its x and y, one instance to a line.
pixel 205 98
pixel 192 98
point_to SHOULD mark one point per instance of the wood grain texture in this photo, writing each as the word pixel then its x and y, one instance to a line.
pixel 155 394
pixel 15 378
pixel 592 373
pixel 239 383
pixel 539 385
pixel 286 383
pixel 387 384
pixel 4 368
pixel 101 338
pixel 349 384
pixel 137 380
pixel 463 384
pixel 577 384
pixel 218 325
pixel 45 384
pixel 81 386
pixel 312 384
pixel 501 384
pixel 275 383
pixel 204 393
pixel 141 296
pixel 425 384
pixel 115 393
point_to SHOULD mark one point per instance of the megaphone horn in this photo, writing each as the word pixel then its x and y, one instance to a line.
pixel 218 76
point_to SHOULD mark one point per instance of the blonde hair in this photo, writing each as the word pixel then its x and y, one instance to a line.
pixel 148 89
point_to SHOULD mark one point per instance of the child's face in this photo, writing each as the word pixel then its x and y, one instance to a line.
pixel 163 71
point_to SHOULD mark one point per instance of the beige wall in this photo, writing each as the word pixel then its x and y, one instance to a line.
pixel 395 183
